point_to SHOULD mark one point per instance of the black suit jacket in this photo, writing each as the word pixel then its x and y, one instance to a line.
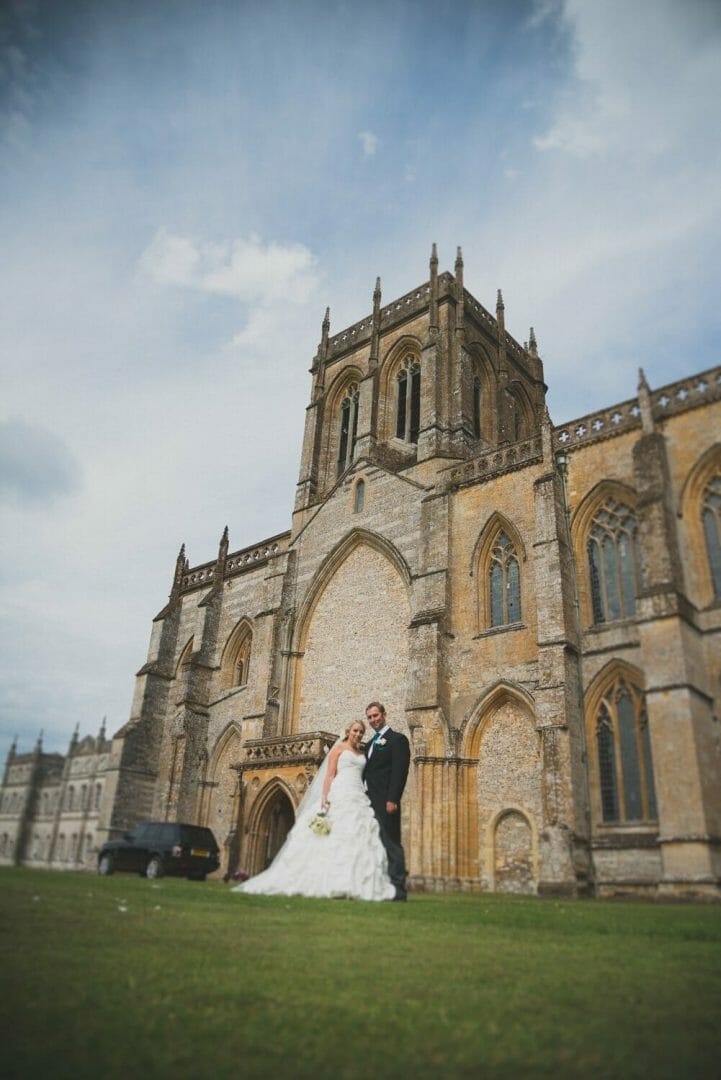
pixel 386 769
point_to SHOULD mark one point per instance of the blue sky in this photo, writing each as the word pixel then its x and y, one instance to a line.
pixel 184 187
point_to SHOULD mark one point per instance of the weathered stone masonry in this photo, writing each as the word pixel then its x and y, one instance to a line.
pixel 539 607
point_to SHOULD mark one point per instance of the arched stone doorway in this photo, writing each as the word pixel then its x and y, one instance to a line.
pixel 275 821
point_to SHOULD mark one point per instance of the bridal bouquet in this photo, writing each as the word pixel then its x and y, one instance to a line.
pixel 320 824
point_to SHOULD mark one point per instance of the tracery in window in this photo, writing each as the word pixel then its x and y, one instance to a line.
pixel 711 519
pixel 241 666
pixel 612 562
pixel 623 747
pixel 408 400
pixel 504 582
pixel 236 656
pixel 348 427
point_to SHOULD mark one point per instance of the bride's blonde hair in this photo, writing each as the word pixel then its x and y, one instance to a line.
pixel 353 723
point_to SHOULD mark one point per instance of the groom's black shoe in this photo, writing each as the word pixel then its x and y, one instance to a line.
pixel 400 895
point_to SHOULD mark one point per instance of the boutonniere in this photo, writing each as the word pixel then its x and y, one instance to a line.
pixel 380 742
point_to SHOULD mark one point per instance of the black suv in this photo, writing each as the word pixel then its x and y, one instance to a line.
pixel 155 848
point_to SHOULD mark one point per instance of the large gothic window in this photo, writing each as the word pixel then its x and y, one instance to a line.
pixel 612 562
pixel 408 401
pixel 711 518
pixel 504 581
pixel 348 428
pixel 623 747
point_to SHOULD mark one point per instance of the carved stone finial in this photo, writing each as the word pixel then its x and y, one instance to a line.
pixel 644 403
pixel 532 343
pixel 101 733
pixel 377 290
pixel 499 301
pixel 181 565
pixel 433 309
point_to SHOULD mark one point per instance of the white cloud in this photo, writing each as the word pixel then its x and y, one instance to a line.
pixel 645 76
pixel 247 270
pixel 369 142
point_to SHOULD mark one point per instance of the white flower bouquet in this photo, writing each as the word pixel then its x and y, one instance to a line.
pixel 320 824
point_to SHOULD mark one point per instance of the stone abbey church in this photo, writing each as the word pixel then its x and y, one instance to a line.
pixel 538 606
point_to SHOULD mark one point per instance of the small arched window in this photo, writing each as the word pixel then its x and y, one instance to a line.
pixel 623 747
pixel 504 582
pixel 711 519
pixel 408 400
pixel 612 562
pixel 235 663
pixel 241 667
pixel 359 496
pixel 70 799
pixel 98 793
pixel 348 428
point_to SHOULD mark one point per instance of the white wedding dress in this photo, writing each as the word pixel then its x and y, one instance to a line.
pixel 349 862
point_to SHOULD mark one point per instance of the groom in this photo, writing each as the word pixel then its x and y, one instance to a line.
pixel 388 757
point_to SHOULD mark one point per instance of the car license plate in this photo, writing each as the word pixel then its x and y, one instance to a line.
pixel 200 853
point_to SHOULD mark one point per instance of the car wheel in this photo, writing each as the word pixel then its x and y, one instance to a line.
pixel 105 865
pixel 154 869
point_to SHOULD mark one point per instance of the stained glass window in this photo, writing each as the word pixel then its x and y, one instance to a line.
pixel 504 582
pixel 625 768
pixel 711 517
pixel 612 562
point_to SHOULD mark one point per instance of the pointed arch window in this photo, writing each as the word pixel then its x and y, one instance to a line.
pixel 504 582
pixel 613 562
pixel 623 749
pixel 711 519
pixel 408 400
pixel 235 664
pixel 348 428
pixel 241 663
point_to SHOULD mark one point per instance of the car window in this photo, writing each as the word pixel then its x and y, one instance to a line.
pixel 197 836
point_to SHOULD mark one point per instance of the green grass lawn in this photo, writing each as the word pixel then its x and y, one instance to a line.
pixel 114 977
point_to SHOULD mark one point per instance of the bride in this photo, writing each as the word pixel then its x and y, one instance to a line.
pixel 349 860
